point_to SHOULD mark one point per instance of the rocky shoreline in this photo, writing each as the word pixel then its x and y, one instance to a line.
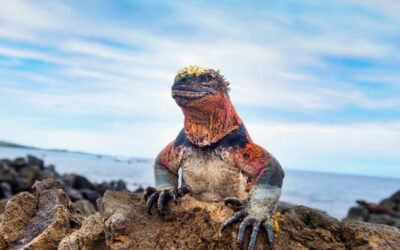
pixel 388 212
pixel 20 174
pixel 51 214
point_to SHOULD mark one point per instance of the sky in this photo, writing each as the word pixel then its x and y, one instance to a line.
pixel 317 83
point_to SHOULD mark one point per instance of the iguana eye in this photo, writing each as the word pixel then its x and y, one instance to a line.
pixel 205 78
pixel 183 80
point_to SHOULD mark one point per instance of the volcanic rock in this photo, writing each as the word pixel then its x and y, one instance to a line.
pixel 40 220
pixel 89 236
pixel 18 163
pixel 85 207
pixel 32 160
pixel 19 210
pixel 20 174
pixel 77 182
pixel 196 225
pixel 5 190
pixel 48 219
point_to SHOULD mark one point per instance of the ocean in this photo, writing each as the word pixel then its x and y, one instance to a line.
pixel 332 193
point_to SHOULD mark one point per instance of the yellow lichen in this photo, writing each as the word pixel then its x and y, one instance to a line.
pixel 276 226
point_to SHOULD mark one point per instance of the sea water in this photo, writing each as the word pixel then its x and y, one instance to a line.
pixel 333 193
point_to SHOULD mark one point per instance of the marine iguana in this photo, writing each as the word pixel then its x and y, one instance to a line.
pixel 219 161
pixel 377 209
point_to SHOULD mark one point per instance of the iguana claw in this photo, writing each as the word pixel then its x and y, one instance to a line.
pixel 247 222
pixel 235 218
pixel 269 229
pixel 236 203
pixel 160 197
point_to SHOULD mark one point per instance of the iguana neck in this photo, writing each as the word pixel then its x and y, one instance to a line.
pixel 204 127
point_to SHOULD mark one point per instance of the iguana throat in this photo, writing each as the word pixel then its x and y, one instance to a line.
pixel 207 124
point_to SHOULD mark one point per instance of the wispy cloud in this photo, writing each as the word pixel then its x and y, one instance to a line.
pixel 59 61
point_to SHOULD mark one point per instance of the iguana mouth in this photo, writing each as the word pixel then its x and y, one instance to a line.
pixel 188 94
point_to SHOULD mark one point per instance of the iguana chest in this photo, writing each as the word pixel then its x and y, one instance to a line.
pixel 213 174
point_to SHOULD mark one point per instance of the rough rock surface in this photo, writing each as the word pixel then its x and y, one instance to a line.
pixel 19 210
pixel 47 219
pixel 90 236
pixel 196 225
pixel 40 220
pixel 85 207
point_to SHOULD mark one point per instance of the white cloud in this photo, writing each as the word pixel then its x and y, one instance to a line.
pixel 96 50
pixel 261 66
pixel 263 54
pixel 356 139
pixel 29 54
pixel 391 7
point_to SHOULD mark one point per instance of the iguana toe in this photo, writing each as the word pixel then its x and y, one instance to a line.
pixel 160 197
pixel 152 200
pixel 235 202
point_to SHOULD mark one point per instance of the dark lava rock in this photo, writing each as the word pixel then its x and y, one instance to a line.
pixel 388 203
pixel 32 160
pixel 77 182
pixel 90 195
pixel 383 219
pixel 396 197
pixel 118 185
pixel 357 214
pixel 5 161
pixel 139 190
pixel 102 187
pixel 18 163
pixel 7 173
pixel 19 175
pixel 30 173
pixel 74 194
pixel 5 190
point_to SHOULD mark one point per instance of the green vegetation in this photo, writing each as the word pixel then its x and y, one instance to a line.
pixel 9 144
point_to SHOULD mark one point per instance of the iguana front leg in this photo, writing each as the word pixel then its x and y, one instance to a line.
pixel 166 180
pixel 259 209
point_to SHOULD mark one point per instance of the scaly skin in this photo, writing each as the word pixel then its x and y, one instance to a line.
pixel 219 161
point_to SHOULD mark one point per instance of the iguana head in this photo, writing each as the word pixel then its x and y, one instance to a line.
pixel 202 94
pixel 193 85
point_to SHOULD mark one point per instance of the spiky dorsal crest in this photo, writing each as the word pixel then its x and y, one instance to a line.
pixel 196 70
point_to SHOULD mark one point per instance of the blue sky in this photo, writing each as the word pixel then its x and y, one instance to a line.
pixel 316 82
